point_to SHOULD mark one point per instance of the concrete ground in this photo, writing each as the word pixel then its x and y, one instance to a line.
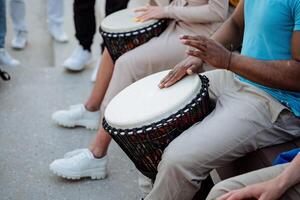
pixel 30 141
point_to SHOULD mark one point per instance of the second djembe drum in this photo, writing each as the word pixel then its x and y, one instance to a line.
pixel 121 32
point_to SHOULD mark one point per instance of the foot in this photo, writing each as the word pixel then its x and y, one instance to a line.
pixel 78 60
pixel 77 115
pixel 7 60
pixel 95 71
pixel 57 32
pixel 20 40
pixel 81 165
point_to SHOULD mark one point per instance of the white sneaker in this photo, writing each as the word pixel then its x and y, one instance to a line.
pixel 20 40
pixel 80 166
pixel 57 32
pixel 95 71
pixel 6 59
pixel 77 115
pixel 73 153
pixel 78 59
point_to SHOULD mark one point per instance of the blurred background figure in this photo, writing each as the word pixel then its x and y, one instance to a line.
pixel 5 58
pixel 85 29
pixel 55 15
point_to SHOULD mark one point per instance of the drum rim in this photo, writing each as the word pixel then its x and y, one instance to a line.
pixel 203 93
pixel 160 22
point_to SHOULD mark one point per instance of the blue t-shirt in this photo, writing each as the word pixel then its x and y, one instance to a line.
pixel 269 26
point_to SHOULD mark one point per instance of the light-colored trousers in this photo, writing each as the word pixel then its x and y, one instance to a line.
pixel 160 53
pixel 55 13
pixel 258 176
pixel 244 120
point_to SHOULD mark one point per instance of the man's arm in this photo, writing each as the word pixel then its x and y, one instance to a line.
pixel 229 34
pixel 269 190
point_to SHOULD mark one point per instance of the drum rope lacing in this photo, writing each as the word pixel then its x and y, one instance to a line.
pixel 133 32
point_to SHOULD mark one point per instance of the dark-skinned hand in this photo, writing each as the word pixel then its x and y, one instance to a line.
pixel 188 66
pixel 208 50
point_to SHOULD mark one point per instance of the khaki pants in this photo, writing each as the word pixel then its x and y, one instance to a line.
pixel 160 53
pixel 244 120
pixel 252 178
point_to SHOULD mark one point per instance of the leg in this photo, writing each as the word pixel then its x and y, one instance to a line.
pixel 104 75
pixel 240 123
pixel 85 22
pixel 245 180
pixel 55 11
pixel 112 6
pixel 2 23
pixel 133 66
pixel 17 12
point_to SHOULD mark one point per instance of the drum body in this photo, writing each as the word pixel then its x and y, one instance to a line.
pixel 144 133
pixel 122 33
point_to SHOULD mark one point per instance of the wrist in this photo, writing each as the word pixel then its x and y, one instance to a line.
pixel 233 60
pixel 282 183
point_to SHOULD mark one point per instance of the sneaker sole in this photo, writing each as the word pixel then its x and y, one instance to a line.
pixel 92 128
pixel 77 177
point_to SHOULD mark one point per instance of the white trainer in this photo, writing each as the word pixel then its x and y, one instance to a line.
pixel 73 153
pixel 57 32
pixel 77 115
pixel 20 40
pixel 78 59
pixel 81 165
pixel 6 59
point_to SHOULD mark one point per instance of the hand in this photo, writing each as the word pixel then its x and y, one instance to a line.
pixel 208 50
pixel 188 66
pixel 269 190
pixel 150 12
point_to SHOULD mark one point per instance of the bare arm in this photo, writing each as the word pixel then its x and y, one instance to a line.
pixel 229 34
pixel 269 190
pixel 277 74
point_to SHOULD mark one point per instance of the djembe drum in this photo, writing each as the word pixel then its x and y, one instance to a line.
pixel 121 32
pixel 143 119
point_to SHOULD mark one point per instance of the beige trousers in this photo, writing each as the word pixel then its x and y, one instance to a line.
pixel 244 120
pixel 252 178
pixel 158 54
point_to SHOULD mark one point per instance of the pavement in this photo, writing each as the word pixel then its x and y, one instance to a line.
pixel 30 141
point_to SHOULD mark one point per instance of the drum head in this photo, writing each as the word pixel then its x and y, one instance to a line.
pixel 123 21
pixel 143 102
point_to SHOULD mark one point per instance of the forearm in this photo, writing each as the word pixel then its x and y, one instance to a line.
pixel 214 11
pixel 230 35
pixel 275 74
pixel 290 176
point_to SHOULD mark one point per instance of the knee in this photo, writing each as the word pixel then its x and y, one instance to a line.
pixel 218 190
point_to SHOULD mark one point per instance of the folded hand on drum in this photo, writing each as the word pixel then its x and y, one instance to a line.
pixel 150 12
pixel 188 66
pixel 208 50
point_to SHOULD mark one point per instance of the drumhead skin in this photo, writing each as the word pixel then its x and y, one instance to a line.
pixel 143 102
pixel 124 21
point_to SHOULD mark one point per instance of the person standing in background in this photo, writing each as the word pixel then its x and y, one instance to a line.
pixel 5 58
pixel 55 18
pixel 85 28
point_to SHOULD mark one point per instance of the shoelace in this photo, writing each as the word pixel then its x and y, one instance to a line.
pixel 4 75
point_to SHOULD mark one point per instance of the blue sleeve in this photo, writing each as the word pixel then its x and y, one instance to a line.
pixel 296 14
pixel 286 157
